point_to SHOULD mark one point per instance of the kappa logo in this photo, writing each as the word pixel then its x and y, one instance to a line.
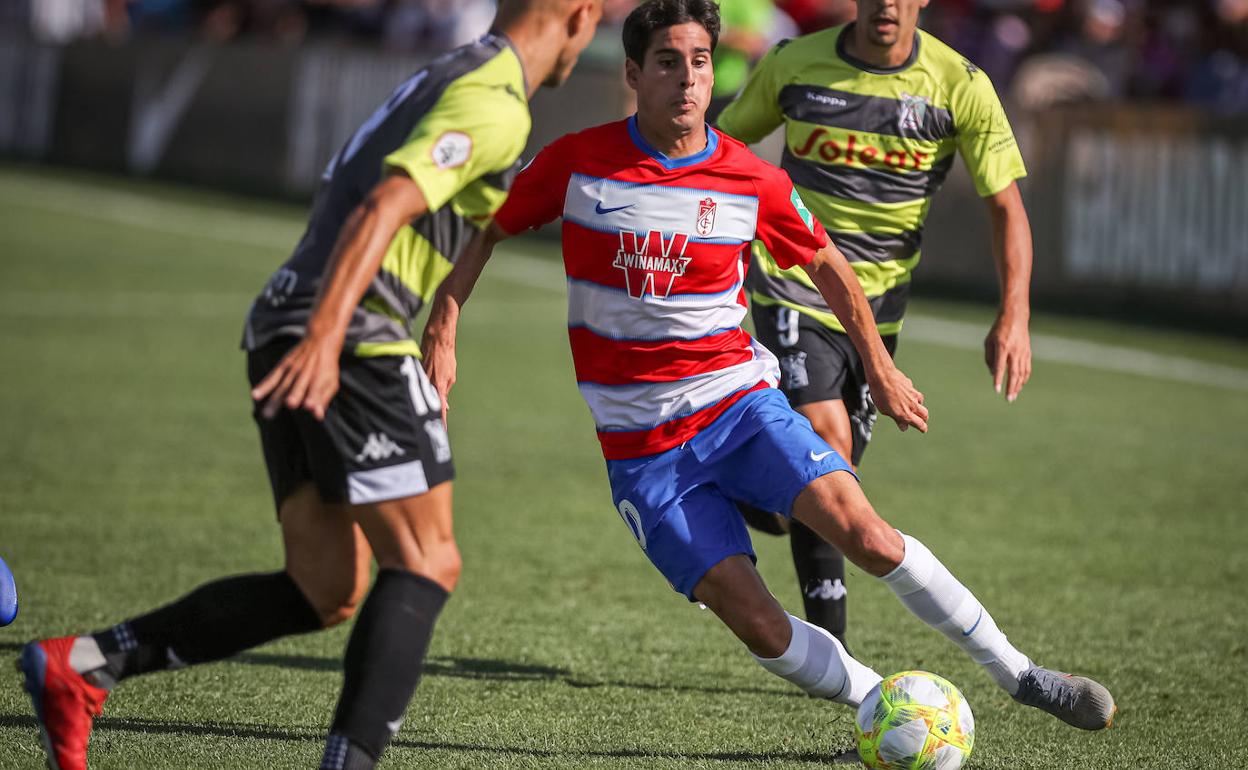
pixel 706 217
pixel 831 101
pixel 826 590
pixel 650 263
pixel 379 446
pixel 911 110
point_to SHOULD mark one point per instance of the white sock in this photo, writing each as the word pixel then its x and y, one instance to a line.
pixel 930 591
pixel 816 662
pixel 85 655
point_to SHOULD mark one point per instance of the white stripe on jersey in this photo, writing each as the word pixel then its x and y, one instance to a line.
pixel 612 313
pixel 646 405
pixel 608 205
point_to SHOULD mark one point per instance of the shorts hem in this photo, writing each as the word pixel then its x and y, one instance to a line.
pixel 807 478
pixel 727 552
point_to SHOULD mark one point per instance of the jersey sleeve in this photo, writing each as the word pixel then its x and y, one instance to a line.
pixel 537 194
pixel 755 113
pixel 789 231
pixel 984 136
pixel 471 131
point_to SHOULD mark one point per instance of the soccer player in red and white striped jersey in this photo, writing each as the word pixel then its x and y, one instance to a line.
pixel 658 213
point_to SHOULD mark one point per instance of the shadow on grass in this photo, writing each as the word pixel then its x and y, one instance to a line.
pixel 270 733
pixel 492 670
pixel 505 671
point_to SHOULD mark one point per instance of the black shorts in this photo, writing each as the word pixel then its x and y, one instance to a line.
pixel 382 438
pixel 819 364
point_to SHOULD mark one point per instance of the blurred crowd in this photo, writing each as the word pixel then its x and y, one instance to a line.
pixel 1038 52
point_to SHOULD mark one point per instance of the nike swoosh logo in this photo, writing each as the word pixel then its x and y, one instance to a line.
pixel 971 630
pixel 820 456
pixel 598 209
pixel 394 726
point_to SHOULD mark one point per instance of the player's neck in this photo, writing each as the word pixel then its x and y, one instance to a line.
pixel 859 45
pixel 672 141
pixel 537 40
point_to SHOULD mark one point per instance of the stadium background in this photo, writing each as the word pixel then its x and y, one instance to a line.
pixel 156 156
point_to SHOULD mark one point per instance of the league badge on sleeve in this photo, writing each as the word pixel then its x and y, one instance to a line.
pixel 8 595
pixel 706 217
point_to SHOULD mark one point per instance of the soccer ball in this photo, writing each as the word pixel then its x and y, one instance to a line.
pixel 914 721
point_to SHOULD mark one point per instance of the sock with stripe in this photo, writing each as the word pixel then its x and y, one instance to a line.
pixel 214 621
pixel 932 593
pixel 816 662
pixel 384 660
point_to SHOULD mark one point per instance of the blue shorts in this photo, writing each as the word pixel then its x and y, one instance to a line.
pixel 679 504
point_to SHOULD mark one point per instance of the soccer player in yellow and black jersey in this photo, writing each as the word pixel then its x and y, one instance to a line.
pixel 874 113
pixel 352 432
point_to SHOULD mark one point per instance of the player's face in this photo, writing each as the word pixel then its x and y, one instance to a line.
pixel 581 26
pixel 889 22
pixel 674 82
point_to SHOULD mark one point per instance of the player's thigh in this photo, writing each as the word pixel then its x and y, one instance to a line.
pixel 413 533
pixel 835 507
pixel 735 592
pixel 684 525
pixel 326 553
pixel 387 459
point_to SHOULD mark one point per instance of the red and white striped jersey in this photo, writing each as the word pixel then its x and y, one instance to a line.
pixel 655 250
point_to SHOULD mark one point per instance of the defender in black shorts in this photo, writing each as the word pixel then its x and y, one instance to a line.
pixel 353 434
pixel 816 364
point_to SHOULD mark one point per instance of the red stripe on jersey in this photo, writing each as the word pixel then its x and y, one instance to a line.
pixel 627 362
pixel 627 445
pixel 608 258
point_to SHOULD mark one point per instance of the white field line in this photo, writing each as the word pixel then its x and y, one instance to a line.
pixel 268 231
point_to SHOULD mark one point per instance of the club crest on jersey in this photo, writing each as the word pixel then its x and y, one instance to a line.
pixel 650 263
pixel 706 217
pixel 910 112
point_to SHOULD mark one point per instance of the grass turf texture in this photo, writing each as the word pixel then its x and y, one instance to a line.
pixel 1100 518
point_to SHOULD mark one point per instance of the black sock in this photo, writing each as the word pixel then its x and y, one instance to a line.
pixel 821 576
pixel 212 622
pixel 383 663
pixel 342 754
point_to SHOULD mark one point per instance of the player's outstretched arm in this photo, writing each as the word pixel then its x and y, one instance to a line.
pixel 893 392
pixel 437 346
pixel 1007 348
pixel 307 376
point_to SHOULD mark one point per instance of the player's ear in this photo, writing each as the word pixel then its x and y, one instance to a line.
pixel 632 73
pixel 579 17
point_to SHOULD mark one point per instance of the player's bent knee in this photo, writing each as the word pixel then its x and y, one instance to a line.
pixel 764 633
pixel 334 600
pixel 439 562
pixel 878 549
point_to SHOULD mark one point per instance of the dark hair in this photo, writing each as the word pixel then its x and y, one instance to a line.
pixel 654 15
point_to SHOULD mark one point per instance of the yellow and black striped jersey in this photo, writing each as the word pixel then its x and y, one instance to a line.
pixel 457 128
pixel 867 148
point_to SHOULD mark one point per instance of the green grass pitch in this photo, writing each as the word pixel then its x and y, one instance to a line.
pixel 1101 518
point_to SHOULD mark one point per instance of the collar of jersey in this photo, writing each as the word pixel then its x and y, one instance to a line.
pixel 712 142
pixel 505 42
pixel 867 67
